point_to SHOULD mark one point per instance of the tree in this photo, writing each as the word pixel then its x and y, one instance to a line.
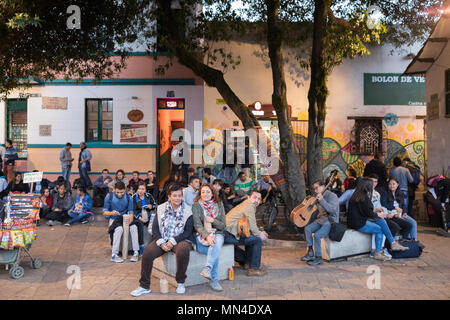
pixel 35 42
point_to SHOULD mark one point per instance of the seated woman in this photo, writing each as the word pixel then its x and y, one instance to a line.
pixel 62 202
pixel 3 185
pixel 392 200
pixel 209 222
pixel 46 203
pixel 116 205
pixel 143 207
pixel 17 185
pixel 81 208
pixel 172 231
pixel 361 217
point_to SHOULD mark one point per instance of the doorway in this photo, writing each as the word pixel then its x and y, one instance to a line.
pixel 170 118
pixel 16 125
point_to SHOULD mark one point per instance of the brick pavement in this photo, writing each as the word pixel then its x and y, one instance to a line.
pixel 87 246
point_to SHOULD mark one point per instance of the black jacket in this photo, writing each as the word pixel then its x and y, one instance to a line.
pixel 137 204
pixel 359 212
pixel 387 199
pixel 188 233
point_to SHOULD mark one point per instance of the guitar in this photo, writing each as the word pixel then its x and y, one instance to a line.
pixel 301 215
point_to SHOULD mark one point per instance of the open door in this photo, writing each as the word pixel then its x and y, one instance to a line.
pixel 170 118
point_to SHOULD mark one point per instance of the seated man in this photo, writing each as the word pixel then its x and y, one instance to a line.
pixel 191 191
pixel 59 181
pixel 116 205
pixel 101 188
pixel 134 182
pixel 267 187
pixel 328 207
pixel 253 244
pixel 172 230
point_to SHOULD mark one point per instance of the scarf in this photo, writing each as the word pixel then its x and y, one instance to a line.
pixel 210 209
pixel 172 222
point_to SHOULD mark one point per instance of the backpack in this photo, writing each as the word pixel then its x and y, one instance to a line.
pixel 414 250
pixel 337 231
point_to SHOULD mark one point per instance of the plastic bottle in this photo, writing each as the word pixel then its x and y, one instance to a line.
pixel 164 285
pixel 230 274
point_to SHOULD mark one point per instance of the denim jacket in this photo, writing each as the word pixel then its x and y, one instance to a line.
pixel 87 202
pixel 86 155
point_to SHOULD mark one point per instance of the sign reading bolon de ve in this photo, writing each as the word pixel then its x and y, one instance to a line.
pixel 30 177
pixel 393 89
pixel 54 103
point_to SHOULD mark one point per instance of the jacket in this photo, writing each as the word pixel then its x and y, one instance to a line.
pixel 123 205
pixel 85 154
pixel 244 210
pixel 64 203
pixel 330 203
pixel 188 233
pixel 19 187
pixel 377 167
pixel 359 212
pixel 199 218
pixel 87 202
pixel 387 199
pixel 137 204
pixel 64 157
pixel 11 156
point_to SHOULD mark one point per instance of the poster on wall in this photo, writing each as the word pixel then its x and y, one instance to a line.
pixel 393 89
pixel 133 133
pixel 54 103
pixel 45 130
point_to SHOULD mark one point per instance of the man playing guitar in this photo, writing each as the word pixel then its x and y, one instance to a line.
pixel 328 212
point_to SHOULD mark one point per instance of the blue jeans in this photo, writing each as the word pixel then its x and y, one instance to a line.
pixel 77 216
pixel 413 233
pixel 378 228
pixel 66 172
pixel 320 231
pixel 253 248
pixel 213 253
pixel 85 180
pixel 405 200
pixel 229 175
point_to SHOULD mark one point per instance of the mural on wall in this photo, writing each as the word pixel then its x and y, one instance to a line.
pixel 404 139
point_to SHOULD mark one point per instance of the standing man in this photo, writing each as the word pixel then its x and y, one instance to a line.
pixel 412 187
pixel 65 156
pixel 328 208
pixel 253 244
pixel 84 165
pixel 403 176
pixel 376 165
pixel 10 160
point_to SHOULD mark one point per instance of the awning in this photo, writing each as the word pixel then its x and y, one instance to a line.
pixel 433 47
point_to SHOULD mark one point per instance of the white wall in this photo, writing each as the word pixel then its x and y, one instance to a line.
pixel 438 131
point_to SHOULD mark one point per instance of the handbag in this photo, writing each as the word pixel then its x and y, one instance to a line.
pixel 88 166
pixel 337 231
pixel 243 229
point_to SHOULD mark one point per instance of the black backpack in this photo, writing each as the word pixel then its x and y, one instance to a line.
pixel 414 250
pixel 337 231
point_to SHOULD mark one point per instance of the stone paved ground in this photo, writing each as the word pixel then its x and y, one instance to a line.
pixel 87 246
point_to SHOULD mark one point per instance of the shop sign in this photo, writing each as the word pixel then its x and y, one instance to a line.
pixel 54 103
pixel 170 103
pixel 133 133
pixel 393 89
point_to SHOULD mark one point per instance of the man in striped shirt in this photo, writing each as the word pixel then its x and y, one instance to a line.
pixel 243 183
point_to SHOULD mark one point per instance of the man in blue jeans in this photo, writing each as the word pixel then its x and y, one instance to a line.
pixel 65 156
pixel 403 176
pixel 328 207
pixel 253 243
pixel 84 165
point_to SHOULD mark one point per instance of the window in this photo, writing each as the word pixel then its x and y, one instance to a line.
pixel 99 120
pixel 368 136
pixel 17 125
pixel 447 93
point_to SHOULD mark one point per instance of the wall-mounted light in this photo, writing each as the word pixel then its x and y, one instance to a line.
pixel 170 93
pixel 258 105
pixel 134 98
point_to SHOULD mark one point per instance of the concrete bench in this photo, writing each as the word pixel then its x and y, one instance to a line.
pixel 352 244
pixel 167 265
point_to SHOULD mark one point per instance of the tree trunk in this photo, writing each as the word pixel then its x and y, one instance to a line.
pixel 317 92
pixel 288 149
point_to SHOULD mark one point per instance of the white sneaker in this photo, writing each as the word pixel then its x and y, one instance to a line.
pixel 386 253
pixel 140 292
pixel 50 223
pixel 181 289
pixel 67 224
pixel 135 257
pixel 116 258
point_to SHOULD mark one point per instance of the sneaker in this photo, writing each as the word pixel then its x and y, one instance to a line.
pixel 84 221
pixel 141 250
pixel 386 253
pixel 380 256
pixel 50 223
pixel 67 224
pixel 57 223
pixel 395 246
pixel 206 273
pixel 317 261
pixel 140 292
pixel 256 272
pixel 181 289
pixel 215 285
pixel 372 254
pixel 421 246
pixel 116 258
pixel 135 257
